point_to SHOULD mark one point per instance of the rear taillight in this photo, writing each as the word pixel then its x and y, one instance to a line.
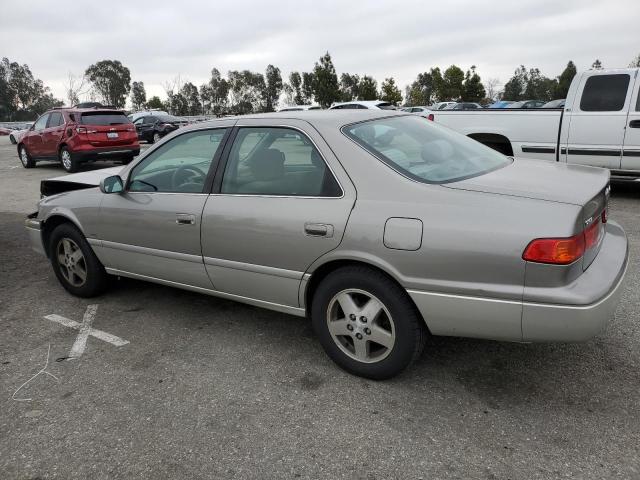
pixel 430 117
pixel 85 130
pixel 563 251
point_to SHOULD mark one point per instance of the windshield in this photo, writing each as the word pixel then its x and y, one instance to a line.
pixel 423 151
pixel 103 118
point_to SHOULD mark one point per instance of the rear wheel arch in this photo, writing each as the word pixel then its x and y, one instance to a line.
pixel 324 270
pixel 496 141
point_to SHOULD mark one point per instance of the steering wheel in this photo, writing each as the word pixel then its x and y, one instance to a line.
pixel 187 175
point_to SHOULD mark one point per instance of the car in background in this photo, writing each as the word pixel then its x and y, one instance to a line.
pixel 363 105
pixel 300 108
pixel 527 104
pixel 417 109
pixel 136 115
pixel 554 103
pixel 152 127
pixel 440 105
pixel 74 136
pixel 463 106
pixel 501 104
pixel 5 131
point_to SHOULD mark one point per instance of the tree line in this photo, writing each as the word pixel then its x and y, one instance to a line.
pixel 23 97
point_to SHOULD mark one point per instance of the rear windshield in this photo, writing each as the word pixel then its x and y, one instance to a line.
pixel 103 118
pixel 424 151
pixel 386 106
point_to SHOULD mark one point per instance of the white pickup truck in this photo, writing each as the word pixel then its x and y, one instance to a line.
pixel 599 125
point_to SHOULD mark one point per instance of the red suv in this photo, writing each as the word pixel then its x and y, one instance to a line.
pixel 77 135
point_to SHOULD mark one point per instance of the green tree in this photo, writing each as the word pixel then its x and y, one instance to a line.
pixel 138 95
pixel 564 80
pixel 192 103
pixel 155 103
pixel 111 80
pixel 307 87
pixel 514 88
pixel 246 91
pixel 421 91
pixel 438 84
pixel 539 87
pixel 215 94
pixel 325 82
pixel 273 87
pixel 295 81
pixel 368 89
pixel 635 63
pixel 349 87
pixel 389 92
pixel 452 80
pixel 596 65
pixel 472 88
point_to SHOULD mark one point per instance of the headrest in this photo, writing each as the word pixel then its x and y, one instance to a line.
pixel 268 165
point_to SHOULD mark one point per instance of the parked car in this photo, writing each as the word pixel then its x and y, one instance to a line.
pixel 5 131
pixel 463 106
pixel 444 235
pixel 441 105
pixel 600 126
pixel 136 115
pixel 501 104
pixel 417 109
pixel 555 104
pixel 16 134
pixel 153 127
pixel 363 105
pixel 78 135
pixel 299 108
pixel 527 104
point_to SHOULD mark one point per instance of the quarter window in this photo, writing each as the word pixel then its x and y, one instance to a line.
pixel 180 165
pixel 277 161
pixel 604 93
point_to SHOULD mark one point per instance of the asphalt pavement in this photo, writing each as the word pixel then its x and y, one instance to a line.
pixel 208 388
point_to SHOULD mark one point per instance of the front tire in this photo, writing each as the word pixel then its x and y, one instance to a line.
pixel 67 160
pixel 26 159
pixel 74 263
pixel 156 138
pixel 367 323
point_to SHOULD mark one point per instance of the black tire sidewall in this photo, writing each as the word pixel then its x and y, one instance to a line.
pixel 96 276
pixel 407 322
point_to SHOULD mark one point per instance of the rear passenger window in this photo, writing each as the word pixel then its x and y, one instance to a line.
pixel 277 161
pixel 55 120
pixel 604 93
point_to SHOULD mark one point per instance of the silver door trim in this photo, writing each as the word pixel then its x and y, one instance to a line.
pixel 299 312
pixel 251 267
pixel 154 252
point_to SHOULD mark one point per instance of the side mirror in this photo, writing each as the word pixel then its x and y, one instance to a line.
pixel 112 184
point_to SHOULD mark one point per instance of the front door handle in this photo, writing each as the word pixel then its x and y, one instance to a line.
pixel 634 123
pixel 318 229
pixel 185 219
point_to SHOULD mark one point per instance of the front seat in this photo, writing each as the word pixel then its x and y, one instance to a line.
pixel 267 168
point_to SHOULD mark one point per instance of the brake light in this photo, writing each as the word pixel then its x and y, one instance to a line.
pixel 563 251
pixel 85 130
pixel 430 117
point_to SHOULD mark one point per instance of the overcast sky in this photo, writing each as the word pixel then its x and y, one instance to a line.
pixel 160 40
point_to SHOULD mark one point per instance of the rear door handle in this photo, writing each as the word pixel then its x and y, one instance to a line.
pixel 318 229
pixel 185 219
pixel 634 123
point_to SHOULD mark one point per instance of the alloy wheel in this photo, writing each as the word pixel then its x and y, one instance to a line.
pixel 24 156
pixel 65 156
pixel 156 137
pixel 361 325
pixel 71 261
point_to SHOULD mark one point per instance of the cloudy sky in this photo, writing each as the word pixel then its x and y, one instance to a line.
pixel 160 40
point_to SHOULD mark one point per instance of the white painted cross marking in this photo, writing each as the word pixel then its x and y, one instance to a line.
pixel 85 329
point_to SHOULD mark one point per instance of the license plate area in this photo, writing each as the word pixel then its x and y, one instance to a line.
pixel 112 135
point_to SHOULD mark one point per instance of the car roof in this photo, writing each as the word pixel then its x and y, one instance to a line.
pixel 360 102
pixel 318 118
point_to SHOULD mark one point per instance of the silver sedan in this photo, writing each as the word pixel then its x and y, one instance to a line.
pixel 379 226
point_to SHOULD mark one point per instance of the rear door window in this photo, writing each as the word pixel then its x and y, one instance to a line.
pixel 604 93
pixel 41 123
pixel 103 118
pixel 55 120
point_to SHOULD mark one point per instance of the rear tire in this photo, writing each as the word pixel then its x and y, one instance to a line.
pixel 68 162
pixel 367 323
pixel 26 159
pixel 74 263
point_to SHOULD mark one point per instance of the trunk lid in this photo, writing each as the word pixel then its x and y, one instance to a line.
pixel 541 180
